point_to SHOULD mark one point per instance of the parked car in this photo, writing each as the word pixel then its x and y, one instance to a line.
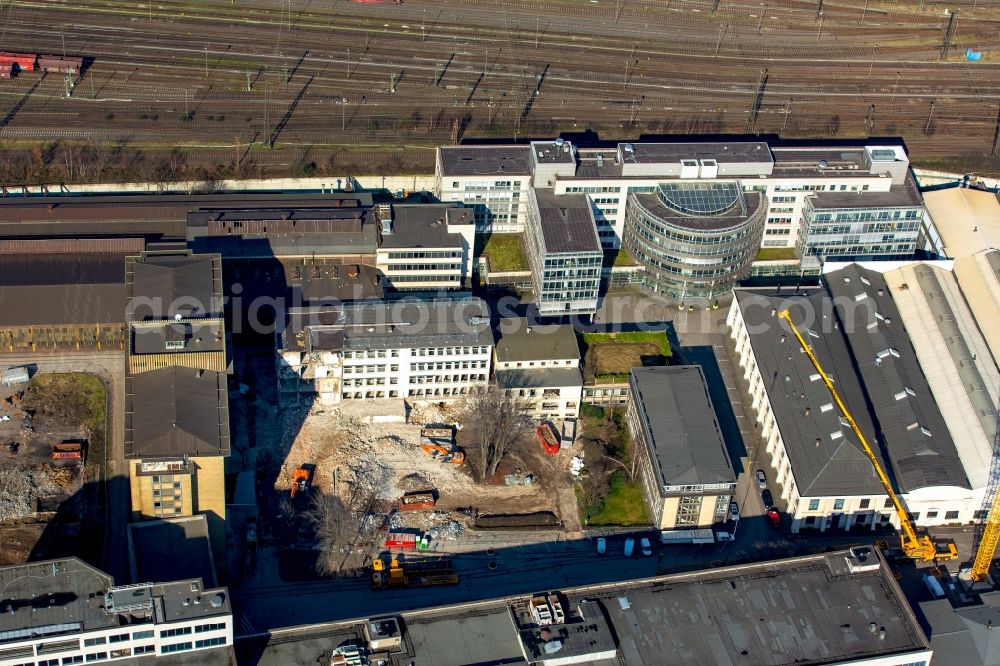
pixel 602 545
pixel 629 547
pixel 734 511
pixel 767 498
pixel 761 479
pixel 724 536
pixel 647 548
pixel 774 518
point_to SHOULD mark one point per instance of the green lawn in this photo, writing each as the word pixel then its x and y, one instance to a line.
pixel 657 337
pixel 624 505
pixel 617 258
pixel 776 254
pixel 73 398
pixel 503 252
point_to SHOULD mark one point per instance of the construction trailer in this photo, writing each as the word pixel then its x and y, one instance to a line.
pixel 15 376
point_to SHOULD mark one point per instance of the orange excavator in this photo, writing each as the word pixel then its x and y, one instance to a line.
pixel 302 480
pixel 439 443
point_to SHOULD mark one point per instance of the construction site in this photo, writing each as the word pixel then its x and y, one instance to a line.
pixel 410 483
pixel 49 494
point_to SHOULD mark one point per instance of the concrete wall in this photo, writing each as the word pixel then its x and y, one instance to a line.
pixel 424 182
pixel 210 499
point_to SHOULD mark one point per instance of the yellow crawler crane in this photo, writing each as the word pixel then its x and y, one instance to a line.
pixel 990 531
pixel 914 546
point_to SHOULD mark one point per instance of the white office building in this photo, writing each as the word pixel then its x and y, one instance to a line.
pixel 540 364
pixel 425 247
pixel 88 620
pixel 434 350
pixel 494 179
pixel 564 252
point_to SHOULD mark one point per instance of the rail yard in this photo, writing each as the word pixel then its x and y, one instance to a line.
pixel 225 78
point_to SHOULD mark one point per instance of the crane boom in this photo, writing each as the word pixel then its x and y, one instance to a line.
pixel 990 535
pixel 915 546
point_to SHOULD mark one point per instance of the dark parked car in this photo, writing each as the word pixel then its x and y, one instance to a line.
pixel 768 499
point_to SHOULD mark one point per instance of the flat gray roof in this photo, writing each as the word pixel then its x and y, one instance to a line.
pixel 550 152
pixel 567 221
pixel 426 226
pixel 826 458
pixel 485 160
pixel 840 162
pixel 681 425
pixel 391 325
pixel 915 435
pixel 964 635
pixel 176 411
pixel 196 335
pixel 585 634
pixel 539 377
pixel 809 610
pixel 522 341
pixel 656 153
pixel 76 588
pixel 459 639
pixel 899 196
pixel 171 549
pixel 174 601
pixel 318 282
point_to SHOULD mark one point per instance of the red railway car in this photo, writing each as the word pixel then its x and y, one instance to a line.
pixel 25 61
pixel 68 64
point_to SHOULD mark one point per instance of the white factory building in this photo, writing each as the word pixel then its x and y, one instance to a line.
pixel 89 620
pixel 908 359
pixel 433 350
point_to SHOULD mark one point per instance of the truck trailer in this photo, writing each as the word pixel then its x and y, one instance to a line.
pixel 682 537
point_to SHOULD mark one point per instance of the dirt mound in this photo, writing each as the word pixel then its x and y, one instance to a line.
pixel 539 520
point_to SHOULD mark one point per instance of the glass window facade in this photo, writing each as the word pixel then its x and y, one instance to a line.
pixel 688 253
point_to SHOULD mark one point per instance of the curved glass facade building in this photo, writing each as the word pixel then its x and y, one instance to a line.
pixel 694 238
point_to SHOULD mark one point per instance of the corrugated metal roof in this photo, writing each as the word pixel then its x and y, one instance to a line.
pixel 121 246
pixel 63 289
pixel 913 432
pixel 967 220
pixel 954 358
pixel 979 277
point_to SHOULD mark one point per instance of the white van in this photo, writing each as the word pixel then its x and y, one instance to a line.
pixel 629 547
pixel 724 536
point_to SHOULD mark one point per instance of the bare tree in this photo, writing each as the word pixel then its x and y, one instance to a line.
pixel 333 523
pixel 499 418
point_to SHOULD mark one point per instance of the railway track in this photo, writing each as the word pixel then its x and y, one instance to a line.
pixel 214 73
